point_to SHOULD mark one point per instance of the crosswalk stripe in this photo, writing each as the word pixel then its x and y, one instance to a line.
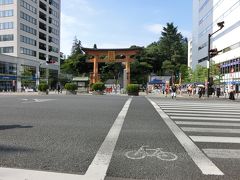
pixel 222 153
pixel 204 112
pixel 199 105
pixel 202 109
pixel 203 118
pixel 205 165
pixel 210 130
pixel 207 123
pixel 215 139
pixel 204 115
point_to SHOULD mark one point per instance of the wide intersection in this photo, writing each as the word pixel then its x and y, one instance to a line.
pixel 118 137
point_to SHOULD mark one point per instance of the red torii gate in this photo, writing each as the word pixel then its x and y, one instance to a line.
pixel 125 55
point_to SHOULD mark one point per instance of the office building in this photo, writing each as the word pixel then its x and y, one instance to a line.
pixel 206 16
pixel 29 36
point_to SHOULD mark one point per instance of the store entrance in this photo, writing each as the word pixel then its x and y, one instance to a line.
pixel 6 86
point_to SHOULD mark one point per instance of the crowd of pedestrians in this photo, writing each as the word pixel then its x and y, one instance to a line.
pixel 197 91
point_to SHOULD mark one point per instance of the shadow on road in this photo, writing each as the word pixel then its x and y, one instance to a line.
pixel 5 127
pixel 12 149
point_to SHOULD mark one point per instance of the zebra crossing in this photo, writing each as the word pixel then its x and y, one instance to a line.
pixel 212 123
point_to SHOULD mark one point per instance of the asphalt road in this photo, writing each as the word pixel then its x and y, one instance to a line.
pixel 63 134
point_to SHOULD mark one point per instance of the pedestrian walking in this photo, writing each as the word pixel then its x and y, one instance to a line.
pixel 58 88
pixel 231 93
pixel 174 89
pixel 218 92
pixel 200 92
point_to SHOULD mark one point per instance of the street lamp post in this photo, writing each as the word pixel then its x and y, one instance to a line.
pixel 220 25
pixel 38 74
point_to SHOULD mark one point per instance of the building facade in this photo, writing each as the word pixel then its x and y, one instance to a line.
pixel 190 53
pixel 30 32
pixel 206 15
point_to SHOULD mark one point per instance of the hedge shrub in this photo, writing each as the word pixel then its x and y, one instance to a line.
pixel 133 88
pixel 43 87
pixel 70 86
pixel 99 86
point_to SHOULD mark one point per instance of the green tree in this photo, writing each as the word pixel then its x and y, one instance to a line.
pixel 152 55
pixel 111 71
pixel 185 73
pixel 199 74
pixel 76 47
pixel 27 77
pixel 173 50
pixel 215 72
pixel 76 63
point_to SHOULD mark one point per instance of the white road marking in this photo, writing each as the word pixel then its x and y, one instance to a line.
pixel 204 115
pixel 203 118
pixel 98 168
pixel 216 139
pixel 37 101
pixel 204 164
pixel 199 106
pixel 96 171
pixel 201 109
pixel 204 112
pixel 210 130
pixel 206 123
pixel 143 152
pixel 223 153
pixel 22 174
pixel 43 100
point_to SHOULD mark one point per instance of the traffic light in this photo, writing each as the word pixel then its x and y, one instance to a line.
pixel 213 52
pixel 221 24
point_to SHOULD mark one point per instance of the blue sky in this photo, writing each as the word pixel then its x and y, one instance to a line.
pixel 121 23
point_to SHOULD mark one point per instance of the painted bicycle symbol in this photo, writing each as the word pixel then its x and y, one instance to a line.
pixel 143 152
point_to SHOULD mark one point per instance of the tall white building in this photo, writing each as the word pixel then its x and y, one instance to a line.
pixel 206 15
pixel 29 31
pixel 190 53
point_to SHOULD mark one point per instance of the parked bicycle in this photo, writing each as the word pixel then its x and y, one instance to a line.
pixel 143 152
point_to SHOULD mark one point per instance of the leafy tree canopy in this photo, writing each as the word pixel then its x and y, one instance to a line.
pixel 167 56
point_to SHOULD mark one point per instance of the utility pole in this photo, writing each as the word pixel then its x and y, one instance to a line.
pixel 212 53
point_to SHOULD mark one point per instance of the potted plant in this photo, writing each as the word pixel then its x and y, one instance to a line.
pixel 133 89
pixel 98 88
pixel 71 88
pixel 43 88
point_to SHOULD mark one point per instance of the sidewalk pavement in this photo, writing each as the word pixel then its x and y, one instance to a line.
pixel 29 93
pixel 196 97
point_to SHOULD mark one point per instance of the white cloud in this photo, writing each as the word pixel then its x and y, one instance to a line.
pixel 155 28
pixel 71 27
pixel 185 33
pixel 79 6
pixel 75 22
pixel 158 28
pixel 114 45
